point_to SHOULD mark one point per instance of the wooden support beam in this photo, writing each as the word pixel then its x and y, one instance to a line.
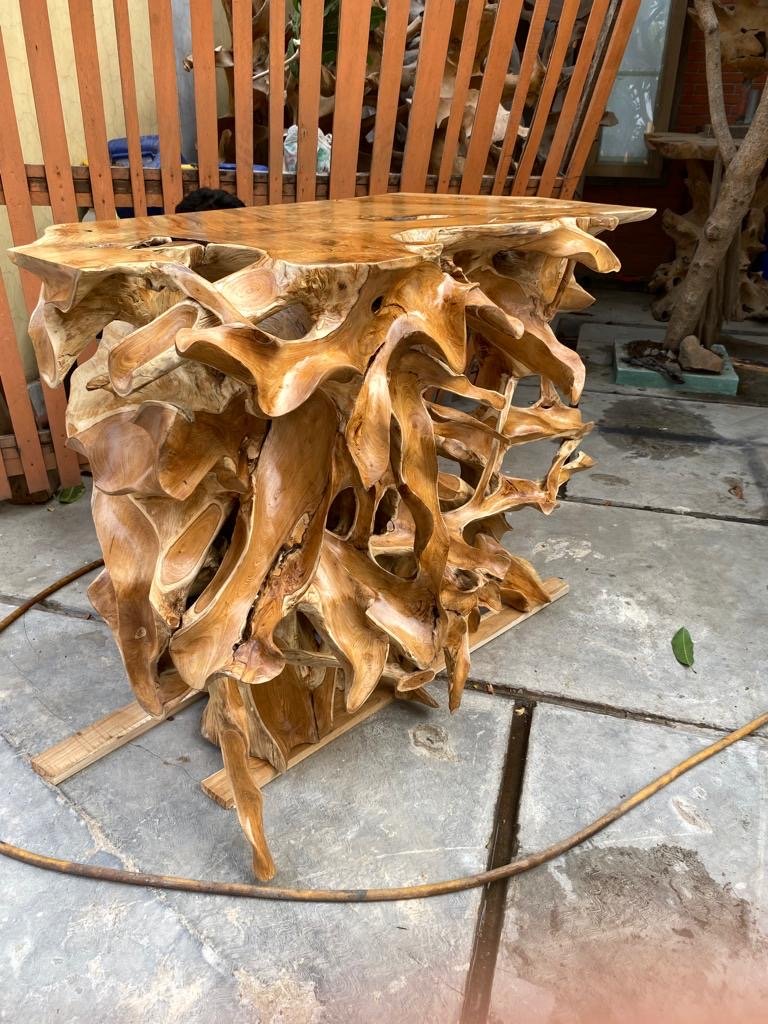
pixel 217 786
pixel 100 738
pixel 354 22
pixel 276 112
pixel 92 105
pixel 395 29
pixel 130 105
pixel 310 67
pixel 433 48
pixel 166 100
pixel 242 48
pixel 204 72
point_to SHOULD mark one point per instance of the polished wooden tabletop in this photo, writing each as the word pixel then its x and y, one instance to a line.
pixel 372 229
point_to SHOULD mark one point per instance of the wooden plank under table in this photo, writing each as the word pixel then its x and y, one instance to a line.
pixel 60 762
pixel 491 627
pixel 88 745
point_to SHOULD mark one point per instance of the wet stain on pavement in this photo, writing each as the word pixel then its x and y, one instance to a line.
pixel 609 479
pixel 658 430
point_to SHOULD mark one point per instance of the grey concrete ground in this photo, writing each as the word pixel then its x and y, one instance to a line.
pixel 663 917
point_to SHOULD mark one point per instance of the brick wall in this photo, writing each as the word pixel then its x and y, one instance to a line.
pixel 641 247
pixel 693 109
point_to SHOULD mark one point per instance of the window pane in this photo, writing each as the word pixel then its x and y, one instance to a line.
pixel 633 99
pixel 645 49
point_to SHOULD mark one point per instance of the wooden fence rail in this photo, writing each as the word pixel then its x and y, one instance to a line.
pixel 471 98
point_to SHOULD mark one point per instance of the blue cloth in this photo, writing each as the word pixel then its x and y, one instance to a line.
pixel 150 151
pixel 233 167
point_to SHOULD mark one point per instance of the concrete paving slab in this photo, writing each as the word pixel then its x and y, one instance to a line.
pixel 41 543
pixel 376 807
pixel 635 578
pixel 616 305
pixel 79 951
pixel 663 453
pixel 379 806
pixel 57 674
pixel 662 917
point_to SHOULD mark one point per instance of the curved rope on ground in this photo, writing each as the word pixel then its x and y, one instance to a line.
pixel 359 895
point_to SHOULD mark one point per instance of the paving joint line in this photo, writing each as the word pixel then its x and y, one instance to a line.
pixel 686 513
pixel 674 396
pixel 530 698
pixel 503 848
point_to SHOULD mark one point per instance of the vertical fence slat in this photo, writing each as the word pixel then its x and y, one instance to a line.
pixel 575 90
pixel 433 48
pixel 471 31
pixel 276 98
pixel 5 485
pixel 204 72
pixel 354 26
pixel 622 28
pixel 390 76
pixel 499 53
pixel 242 49
pixel 563 38
pixel 15 187
pixel 17 400
pixel 166 101
pixel 310 57
pixel 527 67
pixel 50 116
pixel 130 105
pixel 23 229
pixel 92 106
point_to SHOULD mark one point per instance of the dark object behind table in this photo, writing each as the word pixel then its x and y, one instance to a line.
pixel 208 199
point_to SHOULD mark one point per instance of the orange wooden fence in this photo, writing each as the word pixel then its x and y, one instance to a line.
pixel 567 57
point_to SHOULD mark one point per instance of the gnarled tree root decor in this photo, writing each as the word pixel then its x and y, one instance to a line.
pixel 301 423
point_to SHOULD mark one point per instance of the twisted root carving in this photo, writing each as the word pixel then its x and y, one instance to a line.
pixel 294 469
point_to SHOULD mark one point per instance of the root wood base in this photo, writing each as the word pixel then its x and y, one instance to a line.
pixel 89 745
pixel 302 428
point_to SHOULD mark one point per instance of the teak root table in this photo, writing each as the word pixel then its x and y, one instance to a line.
pixel 299 421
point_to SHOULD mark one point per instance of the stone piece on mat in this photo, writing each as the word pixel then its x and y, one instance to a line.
pixel 694 356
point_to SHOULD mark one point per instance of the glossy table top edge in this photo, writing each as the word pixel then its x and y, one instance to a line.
pixel 364 229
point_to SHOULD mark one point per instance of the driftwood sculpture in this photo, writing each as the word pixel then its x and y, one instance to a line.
pixel 297 420
pixel 747 293
pixel 712 288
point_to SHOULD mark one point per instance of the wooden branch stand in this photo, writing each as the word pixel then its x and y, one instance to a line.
pixel 302 428
pixel 89 745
